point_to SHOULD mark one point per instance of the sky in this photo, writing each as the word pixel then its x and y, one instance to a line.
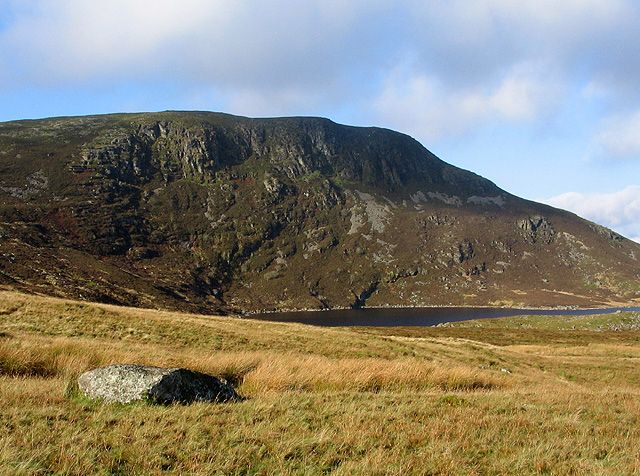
pixel 539 96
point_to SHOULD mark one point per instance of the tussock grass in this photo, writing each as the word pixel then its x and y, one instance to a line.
pixel 18 362
pixel 252 372
pixel 319 373
pixel 321 401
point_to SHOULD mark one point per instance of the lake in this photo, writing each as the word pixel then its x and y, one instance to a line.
pixel 418 316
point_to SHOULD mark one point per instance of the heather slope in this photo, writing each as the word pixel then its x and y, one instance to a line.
pixel 210 212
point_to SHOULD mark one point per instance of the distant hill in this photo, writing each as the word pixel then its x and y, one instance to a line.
pixel 211 212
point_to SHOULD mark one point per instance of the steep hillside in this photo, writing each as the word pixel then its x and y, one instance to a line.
pixel 211 212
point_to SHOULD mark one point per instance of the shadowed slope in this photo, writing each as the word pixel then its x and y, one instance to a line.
pixel 212 212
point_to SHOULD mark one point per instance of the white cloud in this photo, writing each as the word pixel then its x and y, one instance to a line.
pixel 472 41
pixel 617 210
pixel 472 62
pixel 619 136
pixel 277 102
pixel 71 39
pixel 425 107
pixel 219 41
pixel 526 91
pixel 246 53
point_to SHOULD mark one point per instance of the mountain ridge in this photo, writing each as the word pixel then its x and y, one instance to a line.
pixel 212 212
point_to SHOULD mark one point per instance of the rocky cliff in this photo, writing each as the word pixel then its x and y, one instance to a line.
pixel 211 212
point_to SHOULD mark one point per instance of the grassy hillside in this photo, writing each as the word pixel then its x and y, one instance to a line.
pixel 552 399
pixel 620 321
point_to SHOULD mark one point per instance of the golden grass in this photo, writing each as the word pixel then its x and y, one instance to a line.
pixel 320 400
pixel 254 372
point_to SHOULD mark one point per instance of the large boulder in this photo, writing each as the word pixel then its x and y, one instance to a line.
pixel 127 383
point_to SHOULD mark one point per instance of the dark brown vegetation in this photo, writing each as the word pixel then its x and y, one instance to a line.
pixel 210 212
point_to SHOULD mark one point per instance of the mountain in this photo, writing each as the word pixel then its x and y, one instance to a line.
pixel 210 212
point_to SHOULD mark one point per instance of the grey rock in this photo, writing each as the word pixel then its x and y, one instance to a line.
pixel 463 252
pixel 606 232
pixel 125 383
pixel 537 228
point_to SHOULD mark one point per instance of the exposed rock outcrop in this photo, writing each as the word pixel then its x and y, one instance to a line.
pixel 537 228
pixel 123 383
pixel 211 213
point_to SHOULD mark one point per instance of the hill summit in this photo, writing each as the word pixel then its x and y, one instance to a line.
pixel 210 212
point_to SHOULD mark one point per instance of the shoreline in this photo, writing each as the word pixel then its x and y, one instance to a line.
pixel 616 306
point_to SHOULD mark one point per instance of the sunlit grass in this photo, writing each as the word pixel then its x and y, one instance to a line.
pixel 469 400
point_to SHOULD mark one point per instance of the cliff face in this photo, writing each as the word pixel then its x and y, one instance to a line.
pixel 210 212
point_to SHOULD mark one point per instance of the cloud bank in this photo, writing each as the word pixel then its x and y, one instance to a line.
pixel 425 107
pixel 618 210
pixel 443 67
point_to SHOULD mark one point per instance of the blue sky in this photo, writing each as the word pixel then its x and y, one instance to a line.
pixel 539 96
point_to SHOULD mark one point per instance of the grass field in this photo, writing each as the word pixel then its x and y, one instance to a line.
pixel 531 395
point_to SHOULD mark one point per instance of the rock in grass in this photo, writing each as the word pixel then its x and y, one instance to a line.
pixel 127 383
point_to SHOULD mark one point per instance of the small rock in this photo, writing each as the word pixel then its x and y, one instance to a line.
pixel 125 383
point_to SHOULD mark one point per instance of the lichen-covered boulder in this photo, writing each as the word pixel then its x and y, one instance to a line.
pixel 125 383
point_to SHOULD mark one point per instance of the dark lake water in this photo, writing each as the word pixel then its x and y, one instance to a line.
pixel 421 316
